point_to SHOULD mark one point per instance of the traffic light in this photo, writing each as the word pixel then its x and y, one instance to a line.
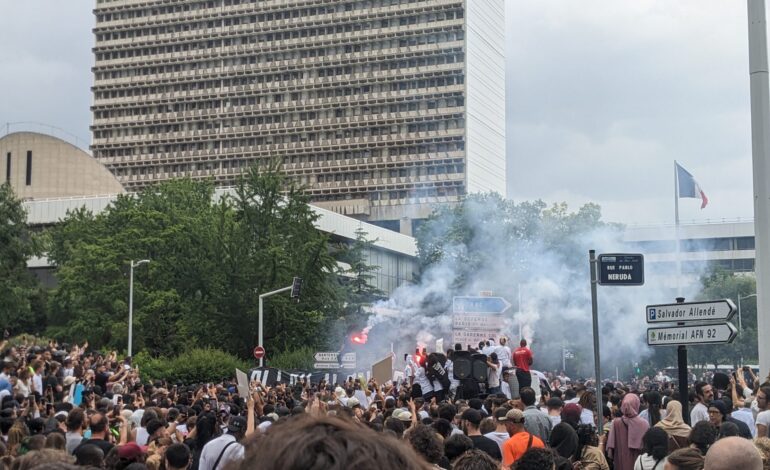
pixel 296 288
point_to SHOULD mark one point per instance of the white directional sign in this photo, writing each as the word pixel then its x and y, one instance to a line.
pixel 491 305
pixel 691 334
pixel 714 310
pixel 326 356
pixel 334 360
pixel 348 357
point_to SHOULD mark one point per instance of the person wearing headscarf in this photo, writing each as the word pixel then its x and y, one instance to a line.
pixel 564 440
pixel 678 431
pixel 624 444
pixel 570 414
pixel 576 442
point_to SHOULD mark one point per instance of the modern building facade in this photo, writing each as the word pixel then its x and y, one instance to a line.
pixel 43 166
pixel 381 108
pixel 703 247
pixel 394 253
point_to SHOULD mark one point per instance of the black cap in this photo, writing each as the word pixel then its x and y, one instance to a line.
pixel 472 416
pixel 237 424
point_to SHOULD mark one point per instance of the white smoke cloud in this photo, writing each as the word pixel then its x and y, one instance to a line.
pixel 549 289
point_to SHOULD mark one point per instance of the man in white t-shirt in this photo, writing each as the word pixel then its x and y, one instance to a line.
pixel 449 366
pixel 504 353
pixel 763 418
pixel 408 369
pixel 705 395
pixel 219 452
pixel 421 379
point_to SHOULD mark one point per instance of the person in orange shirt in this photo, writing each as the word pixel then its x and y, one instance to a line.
pixel 520 440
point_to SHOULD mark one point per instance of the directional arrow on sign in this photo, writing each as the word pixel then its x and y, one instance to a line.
pixel 711 333
pixel 714 310
pixel 493 305
pixel 326 356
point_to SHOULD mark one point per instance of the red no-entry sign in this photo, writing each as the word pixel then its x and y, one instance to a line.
pixel 259 352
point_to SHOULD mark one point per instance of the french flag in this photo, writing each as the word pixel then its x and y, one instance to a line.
pixel 688 187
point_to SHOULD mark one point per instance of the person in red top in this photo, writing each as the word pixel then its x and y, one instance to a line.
pixel 520 441
pixel 522 359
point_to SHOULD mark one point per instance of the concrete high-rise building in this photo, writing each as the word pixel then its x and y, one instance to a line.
pixel 381 108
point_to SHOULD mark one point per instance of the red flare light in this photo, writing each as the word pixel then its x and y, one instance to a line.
pixel 359 338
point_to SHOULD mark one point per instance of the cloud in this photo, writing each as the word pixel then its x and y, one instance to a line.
pixel 603 96
pixel 46 59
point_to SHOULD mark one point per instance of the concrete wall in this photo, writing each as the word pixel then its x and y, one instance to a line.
pixel 58 168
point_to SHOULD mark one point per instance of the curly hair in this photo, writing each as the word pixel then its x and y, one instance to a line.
pixel 475 459
pixel 702 436
pixel 426 442
pixel 306 441
pixel 763 445
pixel 686 459
pixel 535 459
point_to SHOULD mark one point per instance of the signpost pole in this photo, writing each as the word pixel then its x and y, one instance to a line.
pixel 683 386
pixel 595 316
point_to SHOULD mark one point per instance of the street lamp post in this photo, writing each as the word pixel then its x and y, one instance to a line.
pixel 131 305
pixel 296 285
pixel 740 318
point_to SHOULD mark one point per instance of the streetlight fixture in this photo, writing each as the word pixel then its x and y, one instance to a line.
pixel 295 288
pixel 740 318
pixel 131 305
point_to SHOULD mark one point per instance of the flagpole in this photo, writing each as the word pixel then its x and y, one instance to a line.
pixel 676 231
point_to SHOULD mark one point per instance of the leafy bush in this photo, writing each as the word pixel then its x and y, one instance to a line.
pixel 190 367
pixel 297 359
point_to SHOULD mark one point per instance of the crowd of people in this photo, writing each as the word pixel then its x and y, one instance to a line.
pixel 65 406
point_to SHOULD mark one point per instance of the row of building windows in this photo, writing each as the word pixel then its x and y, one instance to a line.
pixel 267 56
pixel 699 267
pixel 278 15
pixel 296 31
pixel 696 244
pixel 235 18
pixel 421 192
pixel 390 132
pixel 214 166
pixel 317 156
pixel 255 78
pixel 243 124
pixel 329 91
pixel 412 172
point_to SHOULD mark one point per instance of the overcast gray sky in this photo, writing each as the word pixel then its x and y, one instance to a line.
pixel 602 97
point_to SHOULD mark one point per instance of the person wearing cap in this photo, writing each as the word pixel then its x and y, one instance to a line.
pixel 471 419
pixel 500 434
pixel 719 413
pixel 520 441
pixel 217 453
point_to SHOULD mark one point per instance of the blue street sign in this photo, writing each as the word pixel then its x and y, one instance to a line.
pixel 621 269
pixel 493 305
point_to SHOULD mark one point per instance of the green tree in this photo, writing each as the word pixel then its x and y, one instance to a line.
pixel 210 259
pixel 359 276
pixel 721 284
pixel 21 297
